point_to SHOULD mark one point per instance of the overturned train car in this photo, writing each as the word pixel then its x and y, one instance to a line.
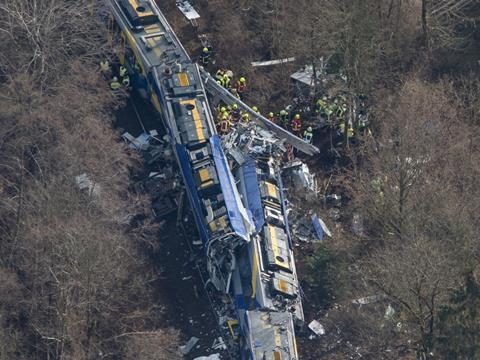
pixel 240 217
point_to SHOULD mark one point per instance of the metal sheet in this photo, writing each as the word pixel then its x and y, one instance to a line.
pixel 254 201
pixel 227 97
pixel 191 191
pixel 236 211
pixel 187 9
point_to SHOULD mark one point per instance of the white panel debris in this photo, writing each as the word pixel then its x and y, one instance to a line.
pixel 368 300
pixel 272 62
pixel 185 349
pixel 317 328
pixel 141 143
pixel 301 176
pixel 84 183
pixel 187 9
pixel 209 357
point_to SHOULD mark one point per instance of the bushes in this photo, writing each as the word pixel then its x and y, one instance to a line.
pixel 328 274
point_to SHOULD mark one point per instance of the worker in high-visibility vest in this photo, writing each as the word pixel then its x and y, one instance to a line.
pixel 235 113
pixel 284 117
pixel 225 125
pixel 296 124
pixel 226 81
pixel 221 113
pixel 254 108
pixel 320 105
pixel 104 66
pixel 126 81
pixel 308 135
pixel 219 75
pixel 341 128
pixel 241 87
pixel 122 71
pixel 115 84
pixel 271 117
pixel 329 113
pixel 205 56
pixel 245 118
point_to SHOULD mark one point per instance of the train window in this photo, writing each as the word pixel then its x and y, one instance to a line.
pixel 190 107
pixel 140 9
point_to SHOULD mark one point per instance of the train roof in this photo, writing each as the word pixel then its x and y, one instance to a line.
pixel 144 23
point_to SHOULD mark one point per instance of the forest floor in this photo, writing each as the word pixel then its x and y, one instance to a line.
pixel 180 288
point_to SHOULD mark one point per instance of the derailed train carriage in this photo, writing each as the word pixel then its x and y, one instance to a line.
pixel 241 217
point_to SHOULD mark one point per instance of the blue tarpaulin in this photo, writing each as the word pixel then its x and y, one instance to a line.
pixel 230 194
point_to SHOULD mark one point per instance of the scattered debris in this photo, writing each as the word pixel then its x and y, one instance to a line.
pixel 188 10
pixel 333 200
pixel 357 225
pixel 84 183
pixel 316 327
pixel 140 143
pixel 320 227
pixel 305 77
pixel 218 344
pixel 185 349
pixel 272 62
pixel 300 175
pixel 334 214
pixel 368 300
pixel 209 357
pixel 389 313
pixel 253 140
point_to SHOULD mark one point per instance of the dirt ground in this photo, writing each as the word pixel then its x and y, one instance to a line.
pixel 179 288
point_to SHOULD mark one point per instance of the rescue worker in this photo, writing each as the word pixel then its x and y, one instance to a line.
pixel 241 87
pixel 219 75
pixel 235 93
pixel 122 71
pixel 320 105
pixel 225 125
pixel 114 84
pixel 340 111
pixel 104 67
pixel 223 111
pixel 226 81
pixel 137 67
pixel 126 81
pixel 245 118
pixel 329 112
pixel 271 117
pixel 254 108
pixel 235 112
pixel 284 118
pixel 205 56
pixel 296 124
pixel 341 128
pixel 308 135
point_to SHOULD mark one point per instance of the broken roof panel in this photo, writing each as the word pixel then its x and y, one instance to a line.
pixel 236 211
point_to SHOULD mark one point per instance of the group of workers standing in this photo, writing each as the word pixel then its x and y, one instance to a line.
pixel 118 75
pixel 227 115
